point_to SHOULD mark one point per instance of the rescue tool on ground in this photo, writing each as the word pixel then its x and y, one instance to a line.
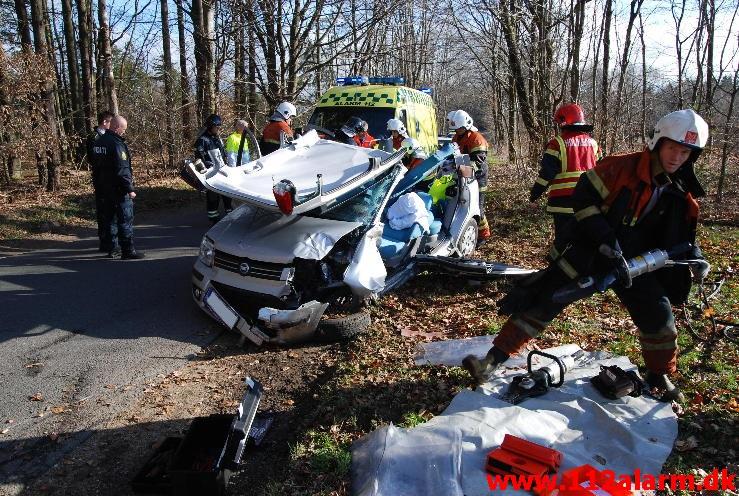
pixel 537 382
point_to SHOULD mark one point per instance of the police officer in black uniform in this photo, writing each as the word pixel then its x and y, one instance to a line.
pixel 116 179
pixel 209 148
pixel 103 229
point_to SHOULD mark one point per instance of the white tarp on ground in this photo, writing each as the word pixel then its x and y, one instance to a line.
pixel 446 455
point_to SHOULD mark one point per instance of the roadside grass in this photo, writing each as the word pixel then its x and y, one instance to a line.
pixel 378 382
pixel 27 210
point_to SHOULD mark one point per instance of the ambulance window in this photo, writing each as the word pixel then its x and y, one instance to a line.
pixel 404 118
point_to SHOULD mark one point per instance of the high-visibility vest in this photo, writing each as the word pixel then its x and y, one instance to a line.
pixel 232 149
pixel 576 155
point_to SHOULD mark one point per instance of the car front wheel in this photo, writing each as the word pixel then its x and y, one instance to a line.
pixel 468 239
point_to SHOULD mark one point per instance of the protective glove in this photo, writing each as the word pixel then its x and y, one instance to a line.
pixel 536 191
pixel 612 252
pixel 700 269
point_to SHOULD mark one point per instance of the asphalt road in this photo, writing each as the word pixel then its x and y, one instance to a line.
pixel 81 335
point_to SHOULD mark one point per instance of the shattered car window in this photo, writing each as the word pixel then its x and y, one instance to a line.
pixel 360 204
pixel 332 118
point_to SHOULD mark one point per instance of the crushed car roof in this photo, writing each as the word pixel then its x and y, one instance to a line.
pixel 341 167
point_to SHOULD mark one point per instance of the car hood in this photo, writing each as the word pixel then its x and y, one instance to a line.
pixel 266 236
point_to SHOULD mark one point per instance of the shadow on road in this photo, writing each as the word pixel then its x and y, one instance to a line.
pixel 69 285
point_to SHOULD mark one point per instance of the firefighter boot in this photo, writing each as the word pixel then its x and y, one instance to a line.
pixel 482 370
pixel 663 383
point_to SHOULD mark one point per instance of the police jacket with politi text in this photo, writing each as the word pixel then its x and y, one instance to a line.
pixel 114 163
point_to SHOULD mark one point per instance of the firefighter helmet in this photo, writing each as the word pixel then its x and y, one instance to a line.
pixel 413 148
pixel 460 119
pixel 570 114
pixel 213 120
pixel 353 126
pixel 683 126
pixel 397 125
pixel 286 110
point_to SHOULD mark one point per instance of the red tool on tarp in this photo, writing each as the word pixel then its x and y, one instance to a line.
pixel 518 456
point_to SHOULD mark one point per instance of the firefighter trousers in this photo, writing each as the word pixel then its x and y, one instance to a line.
pixel 646 301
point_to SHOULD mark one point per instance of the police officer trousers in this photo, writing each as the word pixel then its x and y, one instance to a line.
pixel 212 201
pixel 120 217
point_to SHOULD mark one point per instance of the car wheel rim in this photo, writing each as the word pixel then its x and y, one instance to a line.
pixel 467 245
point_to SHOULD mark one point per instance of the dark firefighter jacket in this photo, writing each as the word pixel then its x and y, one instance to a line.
pixel 630 198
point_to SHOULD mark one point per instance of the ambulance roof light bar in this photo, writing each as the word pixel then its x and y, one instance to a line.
pixel 364 80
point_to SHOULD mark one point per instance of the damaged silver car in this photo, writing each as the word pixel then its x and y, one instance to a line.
pixel 323 227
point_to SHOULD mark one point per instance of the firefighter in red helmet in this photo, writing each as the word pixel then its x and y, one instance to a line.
pixel 569 154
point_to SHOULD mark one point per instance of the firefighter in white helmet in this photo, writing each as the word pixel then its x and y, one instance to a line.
pixel 624 206
pixel 414 153
pixel 280 122
pixel 398 132
pixel 470 141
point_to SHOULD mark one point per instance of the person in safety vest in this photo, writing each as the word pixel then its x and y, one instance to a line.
pixel 362 137
pixel 397 132
pixel 233 144
pixel 569 154
pixel 209 149
pixel 280 122
pixel 624 206
pixel 471 142
pixel 414 153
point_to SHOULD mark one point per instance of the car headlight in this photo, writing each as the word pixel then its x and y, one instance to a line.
pixel 207 251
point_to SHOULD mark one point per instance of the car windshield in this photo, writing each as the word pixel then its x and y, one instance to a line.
pixel 332 118
pixel 360 204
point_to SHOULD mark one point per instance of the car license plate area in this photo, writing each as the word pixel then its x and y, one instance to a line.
pixel 220 308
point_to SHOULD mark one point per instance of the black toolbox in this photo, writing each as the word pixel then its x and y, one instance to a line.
pixel 209 453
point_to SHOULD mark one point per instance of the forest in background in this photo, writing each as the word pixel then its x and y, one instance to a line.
pixel 166 65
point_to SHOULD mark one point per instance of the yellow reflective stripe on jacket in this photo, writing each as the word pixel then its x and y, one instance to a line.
pixel 587 212
pixel 597 183
pixel 542 181
pixel 563 175
pixel 560 210
pixel 568 184
pixel 551 152
pixel 479 149
pixel 563 264
pixel 562 155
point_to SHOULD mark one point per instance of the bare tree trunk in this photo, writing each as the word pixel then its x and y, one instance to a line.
pixel 605 76
pixel 24 28
pixel 514 61
pixel 579 22
pixel 709 13
pixel 84 19
pixel 643 80
pixel 634 10
pixel 184 84
pixel 42 50
pixel 252 63
pixel 110 95
pixel 72 67
pixel 727 146
pixel 167 76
